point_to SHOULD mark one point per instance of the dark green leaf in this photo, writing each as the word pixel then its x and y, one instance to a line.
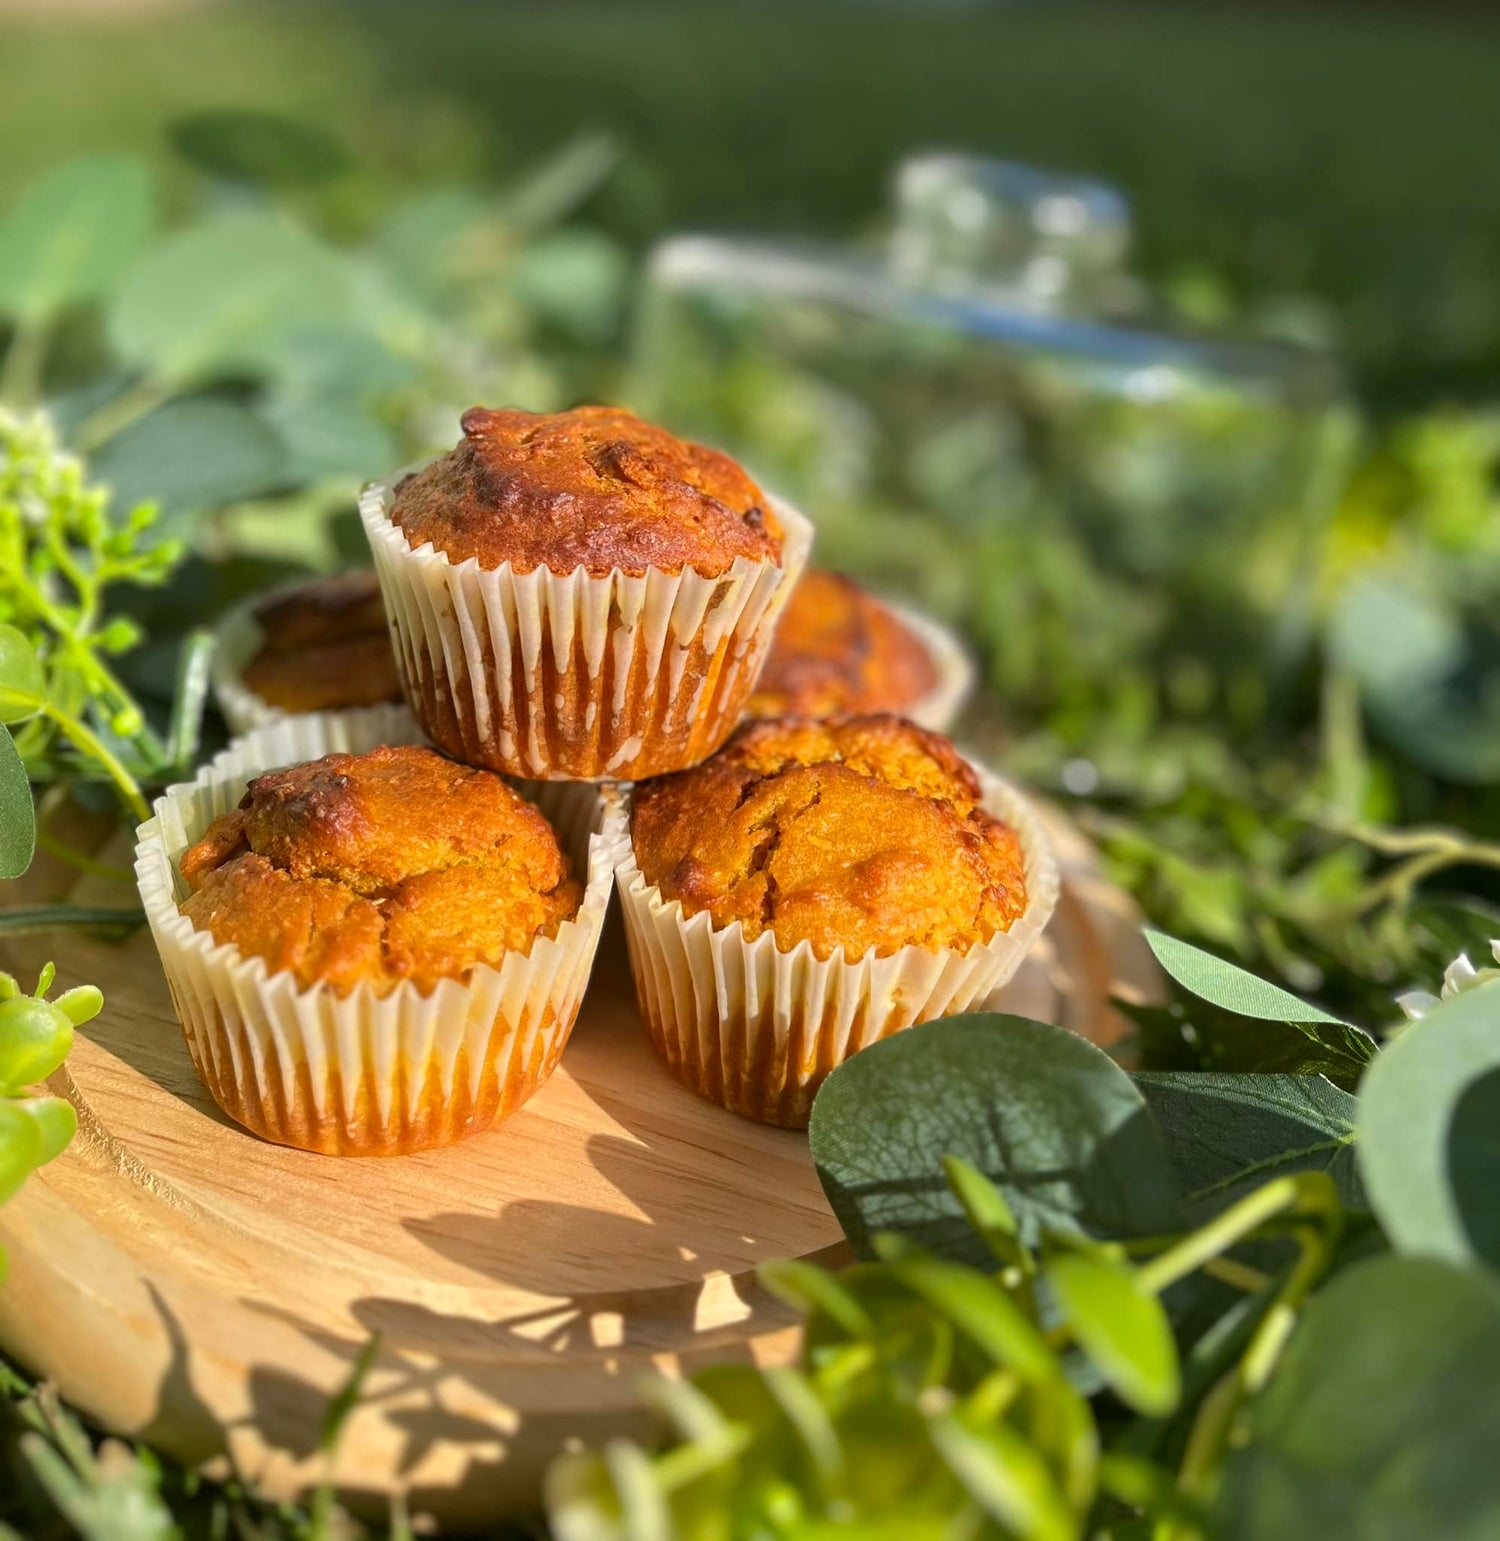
pixel 30 919
pixel 190 456
pixel 1200 1036
pixel 1227 1134
pixel 74 234
pixel 1229 987
pixel 1429 1131
pixel 17 815
pixel 21 684
pixel 1051 1120
pixel 253 146
pixel 1382 1422
pixel 1120 1326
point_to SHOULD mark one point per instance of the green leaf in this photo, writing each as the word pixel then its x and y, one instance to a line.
pixel 1429 1131
pixel 17 815
pixel 1227 1134
pixel 20 1146
pixel 1228 987
pixel 249 145
pixel 576 279
pixel 33 919
pixel 225 296
pixel 56 1123
pixel 1048 1118
pixel 1120 1326
pixel 35 1037
pixel 73 235
pixel 190 456
pixel 561 183
pixel 1381 1422
pixel 21 683
pixel 1004 1475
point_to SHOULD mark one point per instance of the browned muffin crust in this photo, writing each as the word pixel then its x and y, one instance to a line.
pixel 595 488
pixel 326 645
pixel 858 832
pixel 839 650
pixel 375 868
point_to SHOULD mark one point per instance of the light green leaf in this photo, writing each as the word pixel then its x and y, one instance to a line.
pixel 1005 1476
pixel 1429 1131
pixel 1052 1121
pixel 73 235
pixel 1120 1326
pixel 1381 1423
pixel 17 815
pixel 21 683
pixel 226 295
pixel 1228 987
pixel 1227 1134
pixel 56 1123
pixel 561 183
pixel 576 279
pixel 20 1146
pixel 191 456
pixel 35 1037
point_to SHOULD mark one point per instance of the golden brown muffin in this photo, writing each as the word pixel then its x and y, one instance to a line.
pixel 839 650
pixel 858 832
pixel 326 646
pixel 380 867
pixel 595 488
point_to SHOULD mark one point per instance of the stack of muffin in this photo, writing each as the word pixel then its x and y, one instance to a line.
pixel 378 920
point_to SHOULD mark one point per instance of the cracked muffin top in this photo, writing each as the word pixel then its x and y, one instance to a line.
pixel 326 645
pixel 595 487
pixel 838 649
pixel 857 832
pixel 375 868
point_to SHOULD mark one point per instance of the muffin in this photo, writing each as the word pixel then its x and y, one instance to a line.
pixel 309 647
pixel 840 650
pixel 816 886
pixel 580 594
pixel 372 949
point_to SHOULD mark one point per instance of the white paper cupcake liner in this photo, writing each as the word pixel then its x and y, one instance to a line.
pixel 237 639
pixel 571 676
pixel 365 1074
pixel 757 1029
pixel 940 706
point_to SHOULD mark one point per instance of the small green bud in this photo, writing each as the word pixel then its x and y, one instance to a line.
pixel 80 1004
pixel 35 1037
pixel 56 1122
pixel 44 979
pixel 20 1146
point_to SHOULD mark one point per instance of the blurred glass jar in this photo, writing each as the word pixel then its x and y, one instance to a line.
pixel 992 402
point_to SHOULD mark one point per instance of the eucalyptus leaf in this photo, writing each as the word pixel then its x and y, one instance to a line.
pixel 17 815
pixel 74 234
pixel 1229 987
pixel 22 687
pixel 1429 1131
pixel 192 455
pixel 1381 1423
pixel 251 145
pixel 1228 1134
pixel 1120 1326
pixel 225 295
pixel 1047 1117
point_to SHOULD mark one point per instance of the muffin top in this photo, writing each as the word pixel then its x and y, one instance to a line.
pixel 325 645
pixel 595 487
pixel 376 868
pixel 838 649
pixel 857 832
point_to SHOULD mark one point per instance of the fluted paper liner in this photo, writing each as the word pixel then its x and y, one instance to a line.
pixel 756 1028
pixel 237 639
pixel 575 676
pixel 365 1074
pixel 951 663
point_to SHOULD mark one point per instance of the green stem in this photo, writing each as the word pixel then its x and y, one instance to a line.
pixel 114 416
pixel 21 375
pixel 89 743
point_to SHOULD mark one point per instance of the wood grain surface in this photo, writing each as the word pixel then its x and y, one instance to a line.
pixel 186 1282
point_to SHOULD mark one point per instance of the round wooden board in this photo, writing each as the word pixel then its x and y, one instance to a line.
pixel 187 1283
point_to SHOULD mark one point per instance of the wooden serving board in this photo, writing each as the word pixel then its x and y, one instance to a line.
pixel 187 1283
